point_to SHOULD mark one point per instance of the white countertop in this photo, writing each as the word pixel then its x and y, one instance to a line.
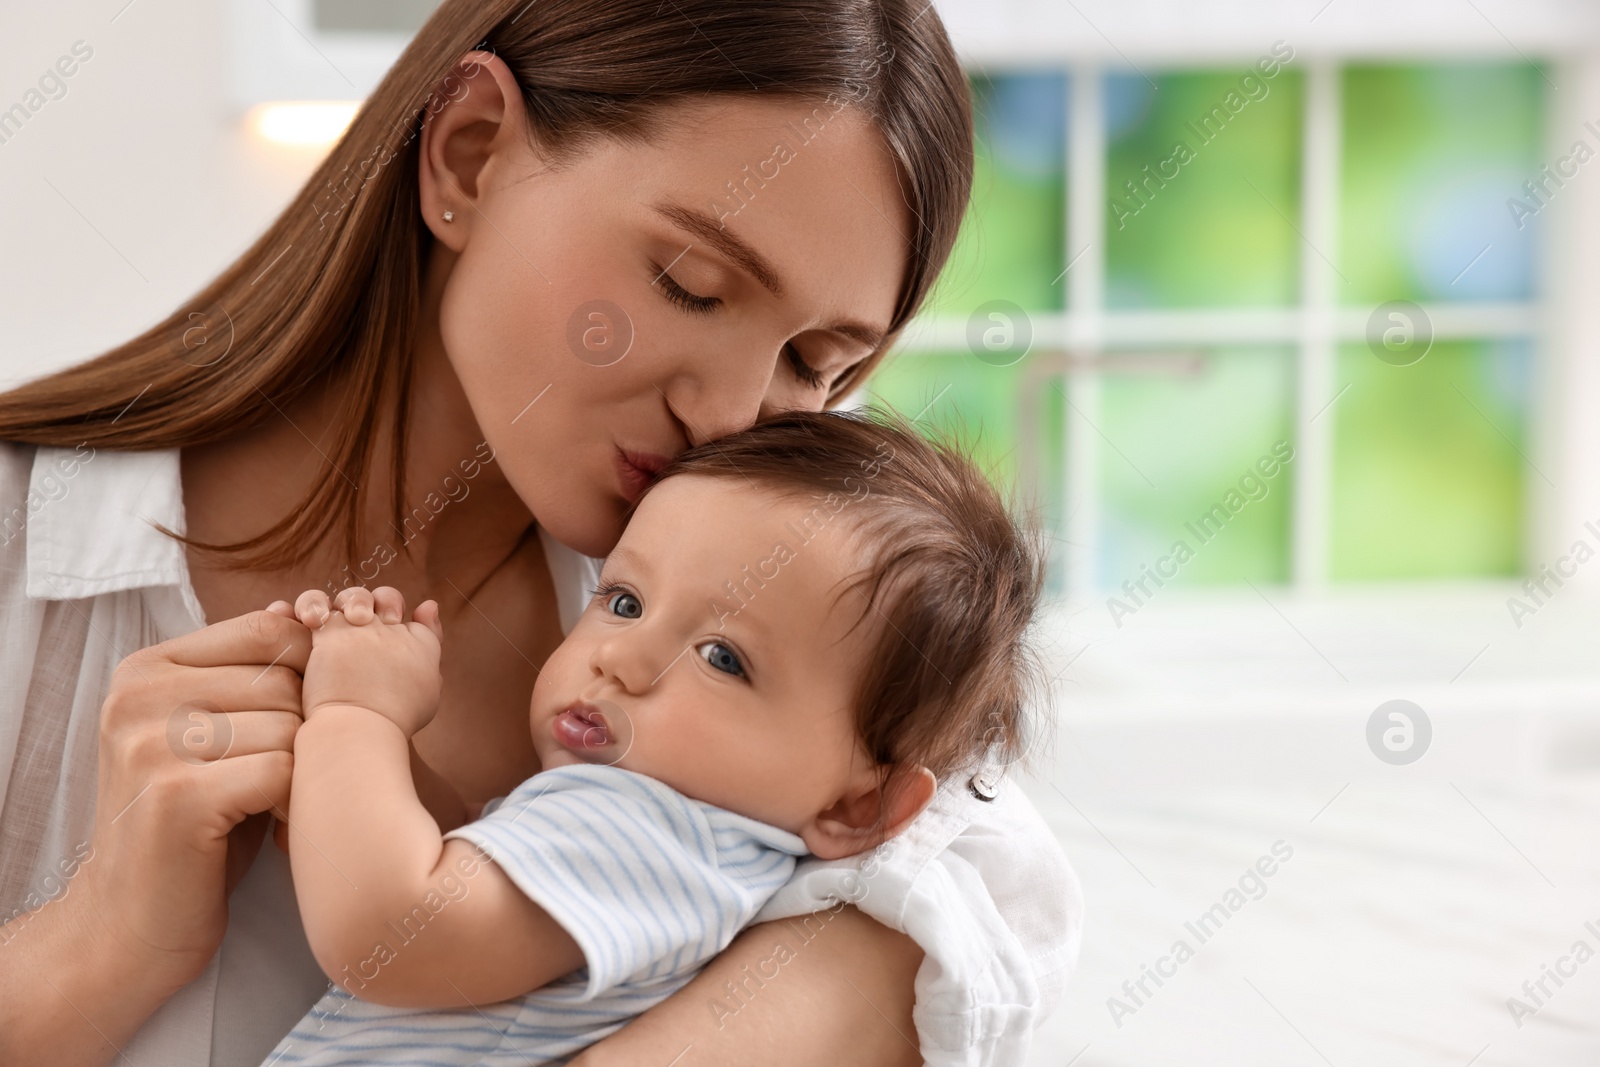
pixel 1419 898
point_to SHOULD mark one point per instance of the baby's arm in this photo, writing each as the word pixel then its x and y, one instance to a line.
pixel 439 796
pixel 371 869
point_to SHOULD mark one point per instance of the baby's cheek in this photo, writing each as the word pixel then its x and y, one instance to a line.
pixel 699 758
pixel 563 674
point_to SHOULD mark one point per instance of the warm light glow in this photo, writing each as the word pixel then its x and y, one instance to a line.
pixel 303 123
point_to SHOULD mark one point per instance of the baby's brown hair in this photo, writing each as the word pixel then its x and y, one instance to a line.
pixel 954 577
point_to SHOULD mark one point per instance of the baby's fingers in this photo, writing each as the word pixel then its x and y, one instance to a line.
pixel 355 603
pixel 388 602
pixel 427 614
pixel 312 608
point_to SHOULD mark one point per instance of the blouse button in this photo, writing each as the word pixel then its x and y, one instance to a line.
pixel 984 786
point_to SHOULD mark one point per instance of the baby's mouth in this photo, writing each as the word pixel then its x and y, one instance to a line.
pixel 582 727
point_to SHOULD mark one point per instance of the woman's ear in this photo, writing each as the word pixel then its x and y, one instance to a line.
pixel 474 125
pixel 851 824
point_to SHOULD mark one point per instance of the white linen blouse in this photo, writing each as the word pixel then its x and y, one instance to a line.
pixel 977 880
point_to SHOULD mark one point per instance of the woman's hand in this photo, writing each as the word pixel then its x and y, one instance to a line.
pixel 196 734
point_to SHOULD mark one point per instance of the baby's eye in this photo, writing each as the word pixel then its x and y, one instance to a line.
pixel 722 658
pixel 625 605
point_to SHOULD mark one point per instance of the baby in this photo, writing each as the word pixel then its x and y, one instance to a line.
pixel 802 628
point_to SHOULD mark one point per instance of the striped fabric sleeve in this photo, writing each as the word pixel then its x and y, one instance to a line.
pixel 645 880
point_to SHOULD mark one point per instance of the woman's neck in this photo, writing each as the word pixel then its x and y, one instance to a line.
pixel 459 521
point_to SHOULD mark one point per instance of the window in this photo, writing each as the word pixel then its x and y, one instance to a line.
pixel 1200 258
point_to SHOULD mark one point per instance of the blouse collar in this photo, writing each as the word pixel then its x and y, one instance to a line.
pixel 93 523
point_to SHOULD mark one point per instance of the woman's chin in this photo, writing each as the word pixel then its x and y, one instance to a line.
pixel 593 530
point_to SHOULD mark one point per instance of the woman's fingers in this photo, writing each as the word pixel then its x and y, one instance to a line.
pixel 260 637
pixel 355 603
pixel 389 603
pixel 195 734
pixel 280 835
pixel 239 689
pixel 312 609
pixel 249 784
pixel 261 731
pixel 204 737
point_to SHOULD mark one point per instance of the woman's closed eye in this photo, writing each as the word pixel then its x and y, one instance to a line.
pixel 696 304
pixel 808 374
pixel 722 658
pixel 691 302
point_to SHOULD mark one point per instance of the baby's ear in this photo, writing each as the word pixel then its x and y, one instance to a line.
pixel 852 825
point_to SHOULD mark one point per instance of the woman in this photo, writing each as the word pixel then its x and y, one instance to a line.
pixel 561 242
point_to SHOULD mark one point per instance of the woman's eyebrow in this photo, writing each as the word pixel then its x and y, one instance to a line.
pixel 870 336
pixel 704 226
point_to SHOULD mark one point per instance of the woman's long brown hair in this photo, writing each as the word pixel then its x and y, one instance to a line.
pixel 329 296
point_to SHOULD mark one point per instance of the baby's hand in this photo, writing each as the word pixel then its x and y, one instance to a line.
pixel 364 654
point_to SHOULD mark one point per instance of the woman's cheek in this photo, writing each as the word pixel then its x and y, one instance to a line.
pixel 490 331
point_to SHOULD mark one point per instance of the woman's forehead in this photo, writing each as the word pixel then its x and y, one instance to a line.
pixel 808 185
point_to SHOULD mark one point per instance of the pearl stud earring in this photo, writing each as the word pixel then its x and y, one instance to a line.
pixel 449 216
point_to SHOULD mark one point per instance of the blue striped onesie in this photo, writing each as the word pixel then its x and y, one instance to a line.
pixel 649 883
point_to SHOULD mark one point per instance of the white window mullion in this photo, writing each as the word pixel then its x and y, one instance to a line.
pixel 1221 327
pixel 1564 434
pixel 1319 204
pixel 1085 293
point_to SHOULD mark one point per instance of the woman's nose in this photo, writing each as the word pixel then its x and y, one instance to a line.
pixel 725 394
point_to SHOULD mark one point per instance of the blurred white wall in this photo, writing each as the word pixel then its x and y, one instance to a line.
pixel 1158 32
pixel 125 195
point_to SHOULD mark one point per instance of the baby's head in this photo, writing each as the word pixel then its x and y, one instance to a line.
pixel 806 623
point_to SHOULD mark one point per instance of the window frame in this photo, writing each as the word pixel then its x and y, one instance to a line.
pixel 1086 332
